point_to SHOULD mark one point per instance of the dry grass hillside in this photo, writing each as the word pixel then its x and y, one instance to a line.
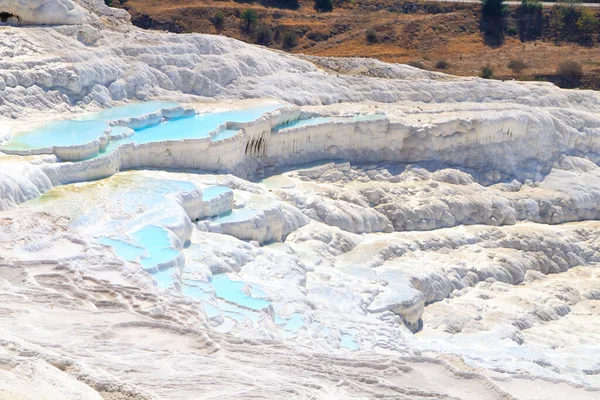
pixel 435 36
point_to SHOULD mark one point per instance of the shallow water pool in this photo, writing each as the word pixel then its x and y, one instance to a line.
pixel 236 215
pixel 199 126
pixel 132 110
pixel 307 122
pixel 57 133
pixel 232 291
pixel 214 191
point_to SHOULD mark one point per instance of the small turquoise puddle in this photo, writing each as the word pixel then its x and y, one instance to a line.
pixel 58 133
pixel 214 191
pixel 156 241
pixel 230 290
pixel 322 120
pixel 294 323
pixel 149 245
pixel 132 110
pixel 226 296
pixel 152 249
pixel 306 122
pixel 238 314
pixel 236 216
pixel 347 341
pixel 211 311
pixel 125 250
pixel 370 117
pixel 291 326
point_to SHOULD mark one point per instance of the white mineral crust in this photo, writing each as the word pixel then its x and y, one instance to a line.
pixel 444 246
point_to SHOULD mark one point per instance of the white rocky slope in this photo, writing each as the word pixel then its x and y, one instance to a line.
pixel 427 261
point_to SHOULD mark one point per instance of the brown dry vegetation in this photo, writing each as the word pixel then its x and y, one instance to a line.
pixel 390 30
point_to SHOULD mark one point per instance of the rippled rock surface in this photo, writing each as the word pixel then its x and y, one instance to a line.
pixel 189 216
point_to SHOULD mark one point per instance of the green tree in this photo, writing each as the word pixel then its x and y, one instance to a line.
pixel 530 20
pixel 323 5
pixel 219 20
pixel 557 22
pixel 492 22
pixel 290 39
pixel 264 35
pixel 249 18
pixel 587 22
pixel 572 3
pixel 493 8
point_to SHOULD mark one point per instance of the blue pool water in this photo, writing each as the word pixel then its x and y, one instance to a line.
pixel 231 290
pixel 306 122
pixel 238 314
pixel 225 134
pixel 125 250
pixel 370 117
pixel 348 342
pixel 224 296
pixel 294 323
pixel 236 215
pixel 132 110
pixel 149 194
pixel 90 127
pixel 156 241
pixel 211 311
pixel 196 292
pixel 152 247
pixel 198 126
pixel 214 191
pixel 167 278
pixel 58 133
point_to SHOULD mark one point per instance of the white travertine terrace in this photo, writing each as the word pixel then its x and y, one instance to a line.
pixel 436 239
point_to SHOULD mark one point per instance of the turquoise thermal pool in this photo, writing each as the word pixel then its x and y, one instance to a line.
pixel 133 110
pixel 213 191
pixel 232 291
pixel 323 120
pixel 93 126
pixel 57 134
pixel 237 215
pixel 198 126
pixel 307 122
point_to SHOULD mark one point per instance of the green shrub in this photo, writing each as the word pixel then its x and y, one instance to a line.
pixel 487 72
pixel 264 35
pixel 587 22
pixel 416 64
pixel 433 8
pixel 517 66
pixel 289 40
pixel 570 71
pixel 291 4
pixel 442 64
pixel 371 37
pixel 219 20
pixel 557 22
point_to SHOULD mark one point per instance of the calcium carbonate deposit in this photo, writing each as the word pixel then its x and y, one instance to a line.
pixel 188 216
